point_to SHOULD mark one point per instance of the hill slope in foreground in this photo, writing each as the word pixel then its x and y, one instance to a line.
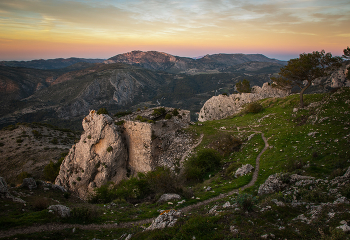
pixel 307 148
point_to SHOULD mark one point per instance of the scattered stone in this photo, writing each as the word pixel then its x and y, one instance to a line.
pixel 61 210
pixel 312 134
pixel 181 202
pixel 169 197
pixel 233 229
pixel 208 189
pixel 167 218
pixel 341 200
pixel 3 187
pixel 226 205
pixel 295 110
pixel 344 226
pixel 245 169
pixel 29 183
pixel 213 209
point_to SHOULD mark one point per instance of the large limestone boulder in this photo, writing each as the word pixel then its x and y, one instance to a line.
pixel 99 157
pixel 222 106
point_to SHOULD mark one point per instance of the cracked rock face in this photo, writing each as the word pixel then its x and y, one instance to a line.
pixel 99 157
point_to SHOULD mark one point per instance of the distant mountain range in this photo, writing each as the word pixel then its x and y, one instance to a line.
pixel 61 91
pixel 56 63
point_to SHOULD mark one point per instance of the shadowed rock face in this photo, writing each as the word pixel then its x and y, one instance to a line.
pixel 106 152
pixel 99 157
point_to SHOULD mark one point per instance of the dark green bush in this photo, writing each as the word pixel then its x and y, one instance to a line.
pixel 142 119
pixel 123 113
pixel 159 111
pixel 168 116
pixel 19 140
pixel 104 194
pixel 40 203
pixel 197 167
pixel 102 111
pixel 109 149
pixel 52 170
pixel 22 176
pixel 54 141
pixel 163 180
pixel 246 201
pixel 315 195
pixel 294 164
pixel 36 134
pixel 83 215
pixel 226 144
pixel 175 112
pixel 232 168
pixel 253 108
pixel 119 123
pixel 2 144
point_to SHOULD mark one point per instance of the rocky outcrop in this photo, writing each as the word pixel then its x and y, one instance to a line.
pixel 61 210
pixel 109 151
pixel 167 218
pixel 245 169
pixel 222 106
pixel 169 197
pixel 29 183
pixel 337 79
pixel 100 156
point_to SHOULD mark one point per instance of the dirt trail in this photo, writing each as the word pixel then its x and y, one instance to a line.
pixel 57 226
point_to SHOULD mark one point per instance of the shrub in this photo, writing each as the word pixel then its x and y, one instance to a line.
pixel 89 136
pixel 102 111
pixel 224 94
pixel 246 201
pixel 175 112
pixel 163 180
pixel 83 215
pixel 2 144
pixel 232 168
pixel 139 109
pixel 294 164
pixel 22 176
pixel 52 170
pixel 205 162
pixel 54 141
pixel 109 149
pixel 123 113
pixel 142 119
pixel 19 140
pixel 104 194
pixel 40 203
pixel 226 144
pixel 159 111
pixel 253 108
pixel 168 116
pixel 36 134
pixel 119 123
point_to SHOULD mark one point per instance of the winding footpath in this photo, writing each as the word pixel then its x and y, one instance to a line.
pixel 60 226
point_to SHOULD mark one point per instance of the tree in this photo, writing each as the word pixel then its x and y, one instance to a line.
pixel 243 86
pixel 346 54
pixel 306 68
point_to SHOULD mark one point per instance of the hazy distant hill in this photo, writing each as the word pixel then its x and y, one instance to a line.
pixel 49 63
pixel 166 62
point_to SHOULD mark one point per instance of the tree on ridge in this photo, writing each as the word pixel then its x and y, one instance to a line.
pixel 304 70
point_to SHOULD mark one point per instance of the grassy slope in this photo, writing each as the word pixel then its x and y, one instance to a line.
pixel 326 154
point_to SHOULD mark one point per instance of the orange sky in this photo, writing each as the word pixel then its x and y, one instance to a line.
pixel 34 29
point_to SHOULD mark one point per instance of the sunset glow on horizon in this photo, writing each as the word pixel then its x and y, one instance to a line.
pixel 43 29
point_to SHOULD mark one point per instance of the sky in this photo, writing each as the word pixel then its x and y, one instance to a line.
pixel 281 29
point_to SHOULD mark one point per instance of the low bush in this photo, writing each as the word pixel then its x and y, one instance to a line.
pixel 253 108
pixel 205 162
pixel 22 176
pixel 83 215
pixel 159 111
pixel 142 119
pixel 40 203
pixel 226 144
pixel 175 112
pixel 168 116
pixel 119 123
pixel 246 201
pixel 109 149
pixel 54 141
pixel 294 164
pixel 232 169
pixel 123 113
pixel 52 170
pixel 102 111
